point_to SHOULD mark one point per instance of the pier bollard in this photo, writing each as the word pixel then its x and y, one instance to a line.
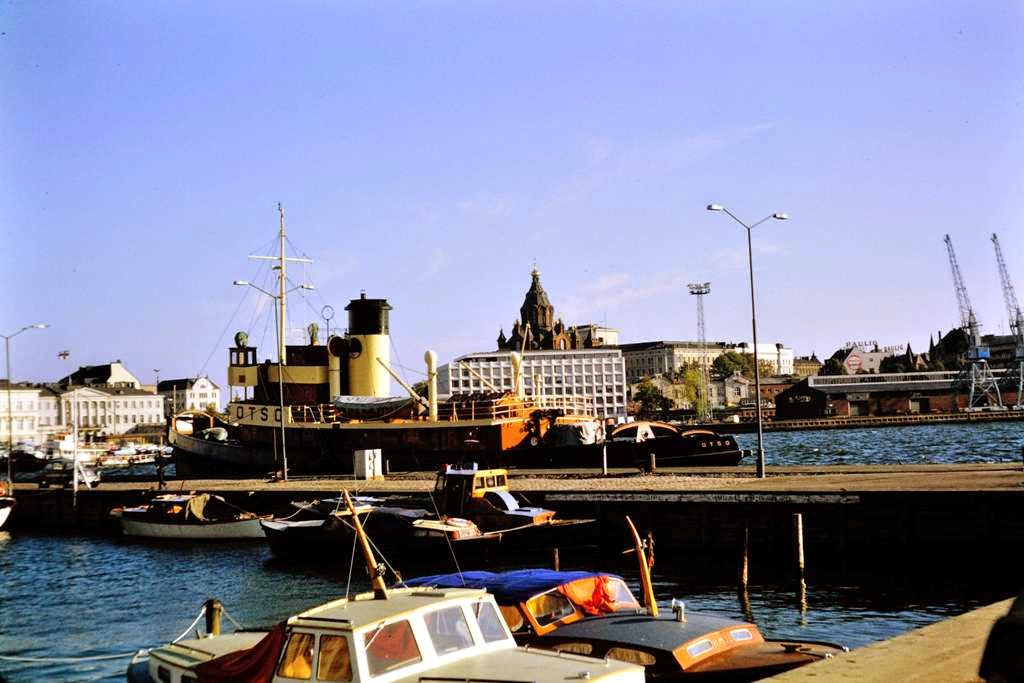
pixel 213 610
pixel 652 463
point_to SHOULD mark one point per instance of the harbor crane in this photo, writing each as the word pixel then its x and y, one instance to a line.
pixel 975 376
pixel 700 290
pixel 1014 378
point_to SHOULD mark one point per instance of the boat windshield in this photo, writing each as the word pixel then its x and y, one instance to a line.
pixel 600 594
pixel 549 607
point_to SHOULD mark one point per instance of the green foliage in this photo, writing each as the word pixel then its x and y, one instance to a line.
pixel 650 398
pixel 420 388
pixel 732 361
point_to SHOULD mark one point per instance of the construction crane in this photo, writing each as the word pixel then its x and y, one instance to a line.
pixel 700 290
pixel 1014 377
pixel 975 375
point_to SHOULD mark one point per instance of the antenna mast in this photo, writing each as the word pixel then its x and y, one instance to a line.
pixel 975 375
pixel 700 290
pixel 1014 378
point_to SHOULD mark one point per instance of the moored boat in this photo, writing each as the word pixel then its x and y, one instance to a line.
pixel 194 516
pixel 405 634
pixel 595 614
pixel 7 502
pixel 474 516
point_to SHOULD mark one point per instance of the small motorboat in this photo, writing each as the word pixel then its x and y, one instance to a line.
pixel 322 531
pixel 476 517
pixel 633 443
pixel 389 635
pixel 484 497
pixel 196 516
pixel 7 502
pixel 595 614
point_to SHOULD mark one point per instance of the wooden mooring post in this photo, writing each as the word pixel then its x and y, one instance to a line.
pixel 213 609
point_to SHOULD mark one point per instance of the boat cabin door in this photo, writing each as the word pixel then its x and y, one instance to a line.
pixel 451 492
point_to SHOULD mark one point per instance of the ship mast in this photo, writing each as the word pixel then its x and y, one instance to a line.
pixel 282 293
pixel 280 288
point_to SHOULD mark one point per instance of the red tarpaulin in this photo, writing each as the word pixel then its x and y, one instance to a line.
pixel 254 665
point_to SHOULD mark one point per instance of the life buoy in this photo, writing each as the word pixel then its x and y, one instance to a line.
pixel 458 521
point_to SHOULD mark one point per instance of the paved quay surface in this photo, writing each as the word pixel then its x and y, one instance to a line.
pixel 1005 477
pixel 949 650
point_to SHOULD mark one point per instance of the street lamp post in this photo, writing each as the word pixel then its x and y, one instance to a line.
pixel 278 300
pixel 10 417
pixel 753 323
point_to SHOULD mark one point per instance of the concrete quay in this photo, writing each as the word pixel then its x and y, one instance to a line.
pixel 953 513
pixel 949 650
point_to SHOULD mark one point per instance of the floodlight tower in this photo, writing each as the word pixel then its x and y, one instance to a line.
pixel 700 290
pixel 975 375
pixel 1014 378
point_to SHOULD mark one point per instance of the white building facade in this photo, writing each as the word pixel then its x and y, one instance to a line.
pixel 189 393
pixel 42 412
pixel 20 424
pixel 596 375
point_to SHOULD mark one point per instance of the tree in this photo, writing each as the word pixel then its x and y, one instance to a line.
pixel 729 362
pixel 420 388
pixel 650 398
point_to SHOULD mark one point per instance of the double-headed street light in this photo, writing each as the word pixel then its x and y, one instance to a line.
pixel 753 322
pixel 278 298
pixel 10 417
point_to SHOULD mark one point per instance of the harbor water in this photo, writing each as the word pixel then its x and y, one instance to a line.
pixel 66 597
pixel 81 597
pixel 936 444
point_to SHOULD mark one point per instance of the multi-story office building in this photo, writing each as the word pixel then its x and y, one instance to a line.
pixel 594 375
pixel 648 359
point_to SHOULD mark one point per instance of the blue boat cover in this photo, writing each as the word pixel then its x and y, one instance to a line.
pixel 517 585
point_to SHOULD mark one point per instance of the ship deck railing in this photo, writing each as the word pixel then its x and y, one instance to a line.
pixel 458 408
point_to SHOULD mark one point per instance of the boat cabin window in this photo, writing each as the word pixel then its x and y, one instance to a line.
pixel 490 622
pixel 390 647
pixel 513 617
pixel 549 607
pixel 334 663
pixel 574 647
pixel 297 661
pixel 448 630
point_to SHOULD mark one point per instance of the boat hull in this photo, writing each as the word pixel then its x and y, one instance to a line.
pixel 233 530
pixel 6 508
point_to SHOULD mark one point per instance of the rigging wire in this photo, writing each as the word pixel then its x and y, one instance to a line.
pixel 220 337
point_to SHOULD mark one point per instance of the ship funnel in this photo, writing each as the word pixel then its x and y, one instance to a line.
pixel 368 339
pixel 431 359
pixel 518 385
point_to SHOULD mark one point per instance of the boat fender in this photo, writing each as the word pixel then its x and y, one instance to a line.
pixel 3 488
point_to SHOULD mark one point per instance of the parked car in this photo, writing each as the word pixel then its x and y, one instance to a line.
pixel 61 473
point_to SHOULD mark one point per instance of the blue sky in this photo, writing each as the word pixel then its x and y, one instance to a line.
pixel 430 152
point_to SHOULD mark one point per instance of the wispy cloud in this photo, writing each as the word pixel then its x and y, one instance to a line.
pixel 614 291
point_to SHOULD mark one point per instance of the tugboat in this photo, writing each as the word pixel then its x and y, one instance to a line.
pixel 595 614
pixel 403 634
pixel 321 402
